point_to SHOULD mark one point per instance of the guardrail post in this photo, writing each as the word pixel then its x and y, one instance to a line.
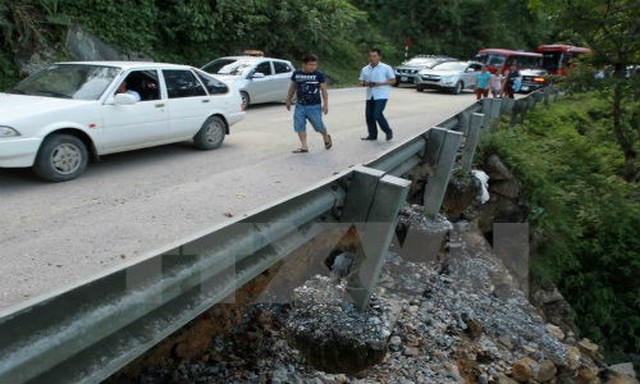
pixel 463 122
pixel 537 97
pixel 491 111
pixel 518 112
pixel 495 112
pixel 473 137
pixel 441 151
pixel 507 106
pixel 546 92
pixel 372 204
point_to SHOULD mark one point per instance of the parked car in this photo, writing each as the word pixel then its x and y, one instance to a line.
pixel 259 79
pixel 452 76
pixel 60 117
pixel 408 70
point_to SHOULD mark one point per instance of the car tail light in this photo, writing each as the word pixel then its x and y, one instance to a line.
pixel 539 79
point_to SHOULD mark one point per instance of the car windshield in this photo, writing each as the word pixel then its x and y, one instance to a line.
pixel 451 66
pixel 551 61
pixel 491 59
pixel 227 67
pixel 69 81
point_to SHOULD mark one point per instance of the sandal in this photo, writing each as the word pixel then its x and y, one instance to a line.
pixel 300 150
pixel 329 143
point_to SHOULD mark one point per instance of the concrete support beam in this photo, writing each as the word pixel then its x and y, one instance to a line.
pixel 372 205
pixel 473 137
pixel 442 148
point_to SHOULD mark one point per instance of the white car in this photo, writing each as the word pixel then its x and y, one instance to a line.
pixel 59 118
pixel 259 79
pixel 452 76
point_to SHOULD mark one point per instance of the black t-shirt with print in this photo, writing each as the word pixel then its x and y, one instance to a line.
pixel 308 92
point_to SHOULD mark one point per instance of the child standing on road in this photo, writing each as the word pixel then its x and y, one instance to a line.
pixel 313 100
pixel 482 83
pixel 496 84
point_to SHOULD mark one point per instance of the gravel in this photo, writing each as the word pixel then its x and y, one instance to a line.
pixel 452 327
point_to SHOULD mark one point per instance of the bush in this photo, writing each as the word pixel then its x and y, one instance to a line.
pixel 585 215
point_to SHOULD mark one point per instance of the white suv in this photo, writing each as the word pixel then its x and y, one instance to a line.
pixel 452 76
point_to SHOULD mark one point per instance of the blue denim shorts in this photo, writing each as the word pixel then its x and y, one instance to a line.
pixel 313 113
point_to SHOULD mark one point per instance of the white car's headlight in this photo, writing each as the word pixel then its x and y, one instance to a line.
pixel 8 132
pixel 448 79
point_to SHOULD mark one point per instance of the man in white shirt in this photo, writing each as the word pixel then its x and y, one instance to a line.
pixel 378 77
pixel 123 89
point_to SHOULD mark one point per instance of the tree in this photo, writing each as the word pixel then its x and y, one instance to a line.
pixel 611 29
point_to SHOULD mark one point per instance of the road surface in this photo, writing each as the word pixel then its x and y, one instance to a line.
pixel 53 236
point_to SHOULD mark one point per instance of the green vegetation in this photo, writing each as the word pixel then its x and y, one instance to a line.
pixel 585 215
pixel 340 31
pixel 611 29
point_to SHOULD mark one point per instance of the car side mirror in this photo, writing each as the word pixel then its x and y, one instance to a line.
pixel 470 70
pixel 258 75
pixel 124 99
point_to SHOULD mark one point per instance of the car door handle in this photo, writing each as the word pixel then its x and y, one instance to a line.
pixel 206 100
pixel 160 105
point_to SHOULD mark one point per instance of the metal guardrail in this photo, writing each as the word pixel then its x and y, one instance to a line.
pixel 89 332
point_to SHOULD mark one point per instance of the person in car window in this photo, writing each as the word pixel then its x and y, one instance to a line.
pixel 378 78
pixel 482 83
pixel 310 86
pixel 123 89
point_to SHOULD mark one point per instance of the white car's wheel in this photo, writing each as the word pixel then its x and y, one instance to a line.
pixel 60 158
pixel 245 98
pixel 458 88
pixel 212 133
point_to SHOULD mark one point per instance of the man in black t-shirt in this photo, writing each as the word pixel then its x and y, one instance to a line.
pixel 310 86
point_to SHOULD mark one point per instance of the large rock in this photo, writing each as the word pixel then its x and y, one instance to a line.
pixel 622 380
pixel 497 170
pixel 546 371
pixel 85 46
pixel 506 188
pixel 623 369
pixel 588 348
pixel 36 61
pixel 463 191
pixel 332 334
pixel 524 369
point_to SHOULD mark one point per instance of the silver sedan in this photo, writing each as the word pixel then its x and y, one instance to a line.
pixel 259 79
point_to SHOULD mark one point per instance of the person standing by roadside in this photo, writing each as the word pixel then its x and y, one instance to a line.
pixel 509 82
pixel 378 77
pixel 310 86
pixel 482 83
pixel 496 84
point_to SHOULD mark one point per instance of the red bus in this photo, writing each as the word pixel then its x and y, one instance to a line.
pixel 499 60
pixel 557 58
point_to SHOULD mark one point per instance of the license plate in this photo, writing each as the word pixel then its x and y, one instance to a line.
pixel 525 88
pixel 403 78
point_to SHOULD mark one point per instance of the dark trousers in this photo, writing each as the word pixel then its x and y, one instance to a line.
pixel 373 114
